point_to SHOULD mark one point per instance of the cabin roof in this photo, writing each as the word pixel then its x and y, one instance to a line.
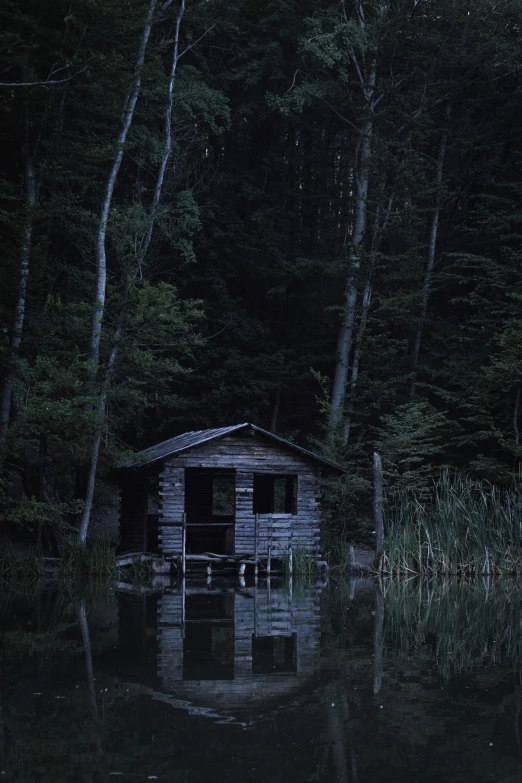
pixel 189 440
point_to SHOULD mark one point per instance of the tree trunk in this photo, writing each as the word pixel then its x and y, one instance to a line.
pixel 100 252
pixel 365 308
pixel 274 420
pixel 116 339
pixel 344 339
pixel 167 148
pixel 379 229
pixel 434 228
pixel 25 255
pixel 96 443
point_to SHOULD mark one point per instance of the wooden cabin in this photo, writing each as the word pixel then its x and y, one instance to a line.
pixel 238 491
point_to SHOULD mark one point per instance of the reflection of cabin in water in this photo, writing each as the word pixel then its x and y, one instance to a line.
pixel 231 491
pixel 227 651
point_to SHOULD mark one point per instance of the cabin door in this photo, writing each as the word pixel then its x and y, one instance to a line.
pixel 210 508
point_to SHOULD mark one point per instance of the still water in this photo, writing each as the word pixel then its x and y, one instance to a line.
pixel 357 683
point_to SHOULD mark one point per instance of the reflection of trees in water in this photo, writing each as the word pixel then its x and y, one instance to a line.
pixel 417 678
pixel 429 673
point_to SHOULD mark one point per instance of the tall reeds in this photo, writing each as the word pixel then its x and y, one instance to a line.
pixel 96 558
pixel 303 564
pixel 466 527
pixel 14 565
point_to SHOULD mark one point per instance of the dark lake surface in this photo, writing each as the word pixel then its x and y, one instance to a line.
pixel 353 682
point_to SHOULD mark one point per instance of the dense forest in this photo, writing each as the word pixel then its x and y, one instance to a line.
pixel 306 215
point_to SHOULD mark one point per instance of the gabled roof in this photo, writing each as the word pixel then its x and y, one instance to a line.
pixel 190 439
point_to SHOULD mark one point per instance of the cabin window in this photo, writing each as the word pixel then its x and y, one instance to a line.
pixel 223 494
pixel 209 495
pixel 275 494
pixel 208 644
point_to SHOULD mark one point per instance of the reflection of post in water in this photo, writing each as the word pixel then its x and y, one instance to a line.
pixel 341 734
pixel 87 651
pixel 338 742
pixel 378 633
pixel 2 743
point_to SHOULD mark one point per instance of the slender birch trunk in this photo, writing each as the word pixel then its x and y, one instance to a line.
pixel 365 309
pixel 116 338
pixel 25 257
pixel 366 70
pixel 344 339
pixel 100 250
pixel 167 148
pixel 432 247
pixel 95 446
pixel 100 254
pixel 379 230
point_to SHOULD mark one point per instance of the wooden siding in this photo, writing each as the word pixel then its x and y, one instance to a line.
pixel 247 455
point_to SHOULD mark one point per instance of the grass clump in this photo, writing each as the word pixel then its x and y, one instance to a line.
pixel 97 557
pixel 466 527
pixel 139 572
pixel 15 565
pixel 302 564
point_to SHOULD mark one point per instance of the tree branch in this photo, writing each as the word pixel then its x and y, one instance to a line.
pixel 192 45
pixel 41 84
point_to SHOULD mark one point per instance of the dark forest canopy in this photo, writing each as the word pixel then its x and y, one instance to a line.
pixel 302 214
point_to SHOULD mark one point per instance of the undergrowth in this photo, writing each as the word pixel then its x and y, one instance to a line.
pixel 97 557
pixel 14 565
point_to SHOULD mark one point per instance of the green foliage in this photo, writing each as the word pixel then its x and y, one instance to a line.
pixel 31 513
pixel 241 291
pixel 410 441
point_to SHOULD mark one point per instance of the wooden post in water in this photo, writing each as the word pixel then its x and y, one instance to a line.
pixel 269 561
pixel 183 543
pixel 256 544
pixel 290 561
pixel 377 505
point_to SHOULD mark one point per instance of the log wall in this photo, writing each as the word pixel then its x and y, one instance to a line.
pixel 246 455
